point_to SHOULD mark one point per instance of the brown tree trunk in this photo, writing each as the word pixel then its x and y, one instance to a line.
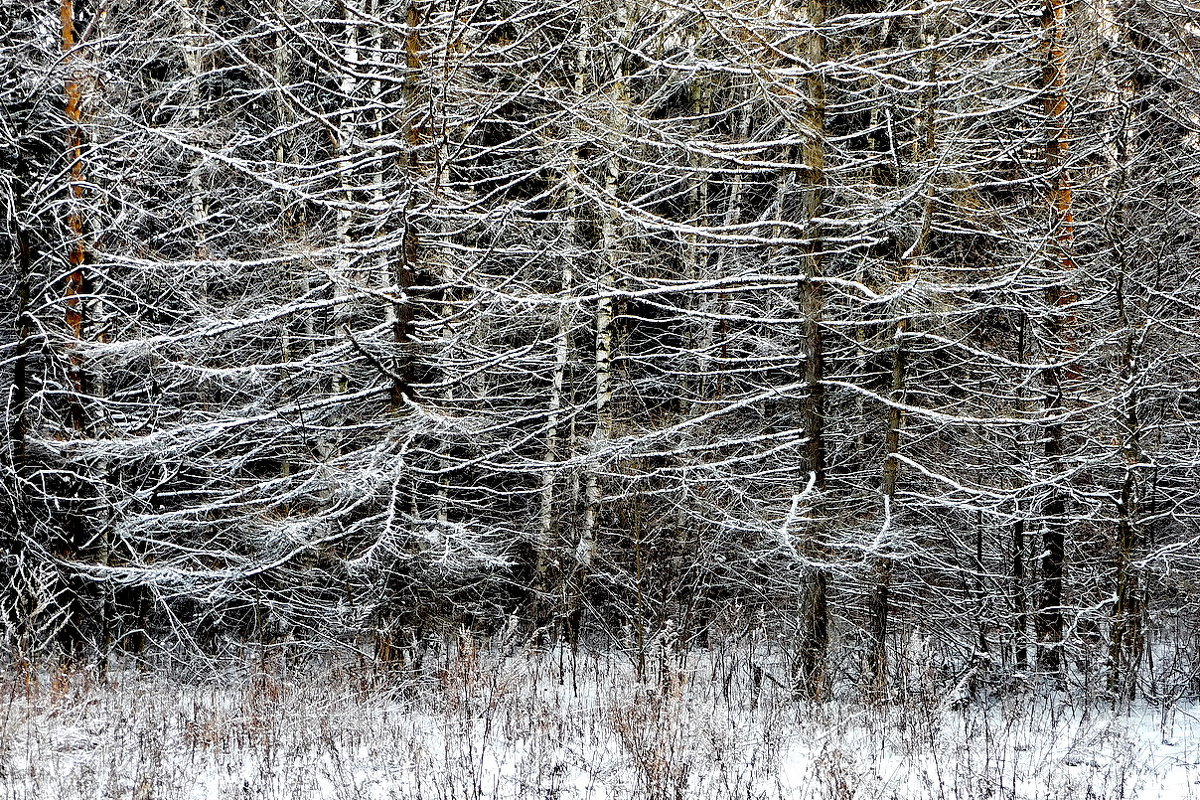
pixel 813 678
pixel 1050 618
pixel 76 528
pixel 77 255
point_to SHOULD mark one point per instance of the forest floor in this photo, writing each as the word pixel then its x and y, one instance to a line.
pixel 534 726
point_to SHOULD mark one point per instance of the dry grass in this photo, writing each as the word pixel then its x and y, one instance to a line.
pixel 537 726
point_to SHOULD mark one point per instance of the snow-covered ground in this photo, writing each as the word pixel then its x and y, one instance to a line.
pixel 531 727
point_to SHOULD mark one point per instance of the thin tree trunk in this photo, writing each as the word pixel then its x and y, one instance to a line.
pixel 193 54
pixel 562 351
pixel 1050 618
pixel 78 280
pixel 893 439
pixel 815 643
pixel 1126 643
pixel 21 606
pixel 606 286
pixel 19 404
pixel 347 134
pixel 404 269
pixel 78 286
pixel 1020 602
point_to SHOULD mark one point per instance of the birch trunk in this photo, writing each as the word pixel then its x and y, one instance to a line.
pixel 562 348
pixel 606 285
pixel 347 138
pixel 193 20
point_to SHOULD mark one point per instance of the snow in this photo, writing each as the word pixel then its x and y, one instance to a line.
pixel 536 726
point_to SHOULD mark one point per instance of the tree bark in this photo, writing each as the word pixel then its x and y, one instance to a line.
pixel 562 349
pixel 1050 617
pixel 815 644
pixel 606 287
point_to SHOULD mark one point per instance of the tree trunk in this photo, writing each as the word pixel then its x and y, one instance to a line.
pixel 562 351
pixel 1020 601
pixel 813 668
pixel 893 439
pixel 78 282
pixel 193 55
pixel 1050 618
pixel 1126 643
pixel 606 286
